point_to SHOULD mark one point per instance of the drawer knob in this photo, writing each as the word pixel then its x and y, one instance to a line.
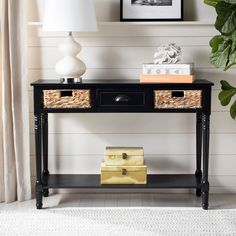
pixel 124 172
pixel 122 98
pixel 124 156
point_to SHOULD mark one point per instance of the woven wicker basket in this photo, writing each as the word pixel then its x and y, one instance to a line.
pixel 76 98
pixel 190 99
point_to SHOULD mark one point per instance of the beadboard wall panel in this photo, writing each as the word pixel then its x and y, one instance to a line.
pixel 181 164
pixel 114 57
pixel 171 144
pixel 221 122
pixel 109 10
pixel 117 51
pixel 132 41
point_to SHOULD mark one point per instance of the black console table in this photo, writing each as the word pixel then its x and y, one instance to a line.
pixel 122 96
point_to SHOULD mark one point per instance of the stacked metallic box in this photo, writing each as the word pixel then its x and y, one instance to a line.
pixel 123 165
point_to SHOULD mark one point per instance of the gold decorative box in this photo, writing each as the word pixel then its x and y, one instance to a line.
pixel 124 156
pixel 123 174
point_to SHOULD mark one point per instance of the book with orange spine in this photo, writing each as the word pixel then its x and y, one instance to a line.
pixel 146 78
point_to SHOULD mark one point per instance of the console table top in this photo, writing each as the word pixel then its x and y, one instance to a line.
pixel 119 82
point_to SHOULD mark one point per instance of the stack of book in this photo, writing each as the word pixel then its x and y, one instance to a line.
pixel 167 73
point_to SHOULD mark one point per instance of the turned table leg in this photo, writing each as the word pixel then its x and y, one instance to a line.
pixel 198 172
pixel 38 145
pixel 45 149
pixel 205 182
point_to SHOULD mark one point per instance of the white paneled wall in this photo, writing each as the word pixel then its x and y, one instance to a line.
pixel 77 141
pixel 108 10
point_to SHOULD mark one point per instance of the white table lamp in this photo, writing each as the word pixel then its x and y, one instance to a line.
pixel 70 16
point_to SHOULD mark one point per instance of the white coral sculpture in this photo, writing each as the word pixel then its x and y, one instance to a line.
pixel 167 54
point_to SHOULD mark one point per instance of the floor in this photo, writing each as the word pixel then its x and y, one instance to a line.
pixel 217 201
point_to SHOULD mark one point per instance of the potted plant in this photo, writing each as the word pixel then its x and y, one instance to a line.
pixel 223 46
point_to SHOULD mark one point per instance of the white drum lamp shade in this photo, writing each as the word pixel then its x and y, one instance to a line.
pixel 70 16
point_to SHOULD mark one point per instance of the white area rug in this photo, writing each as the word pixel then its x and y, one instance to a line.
pixel 118 221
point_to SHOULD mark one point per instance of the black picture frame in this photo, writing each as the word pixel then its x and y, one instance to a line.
pixel 158 19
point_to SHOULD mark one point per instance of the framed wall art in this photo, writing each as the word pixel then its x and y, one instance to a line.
pixel 151 10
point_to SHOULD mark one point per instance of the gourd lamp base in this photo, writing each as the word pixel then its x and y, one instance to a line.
pixel 70 68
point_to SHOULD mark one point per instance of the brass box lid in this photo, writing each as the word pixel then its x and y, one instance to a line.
pixel 124 156
pixel 119 151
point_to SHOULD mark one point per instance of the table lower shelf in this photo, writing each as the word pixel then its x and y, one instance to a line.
pixel 93 181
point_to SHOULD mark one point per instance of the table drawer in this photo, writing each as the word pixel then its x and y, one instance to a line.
pixel 177 99
pixel 121 98
pixel 67 98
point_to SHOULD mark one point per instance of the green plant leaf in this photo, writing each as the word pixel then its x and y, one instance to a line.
pixel 233 36
pixel 232 56
pixel 229 1
pixel 233 47
pixel 224 46
pixel 211 2
pixel 226 19
pixel 231 62
pixel 233 110
pixel 215 42
pixel 220 58
pixel 225 96
pixel 225 85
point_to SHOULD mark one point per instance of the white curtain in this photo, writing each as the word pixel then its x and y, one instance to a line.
pixel 15 183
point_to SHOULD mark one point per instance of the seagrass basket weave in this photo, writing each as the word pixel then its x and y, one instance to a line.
pixel 75 98
pixel 187 99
